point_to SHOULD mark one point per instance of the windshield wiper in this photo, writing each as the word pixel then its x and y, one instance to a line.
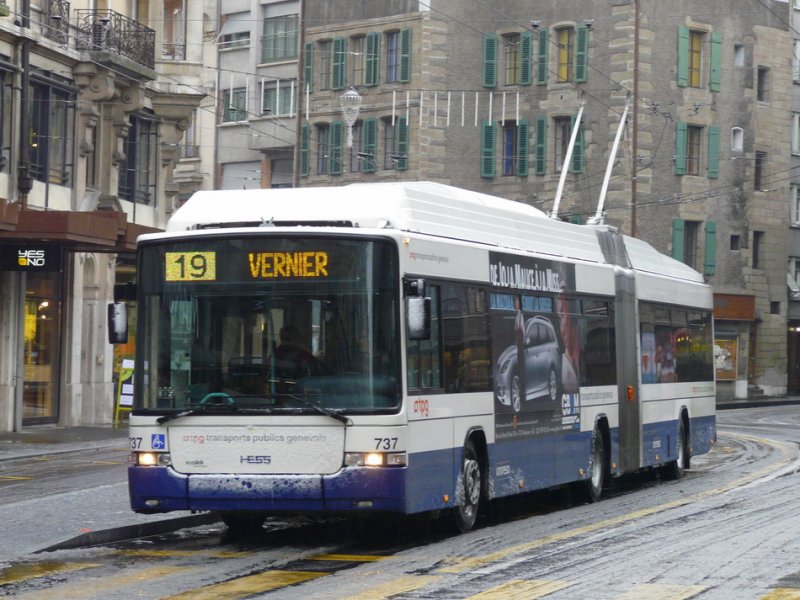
pixel 323 411
pixel 203 408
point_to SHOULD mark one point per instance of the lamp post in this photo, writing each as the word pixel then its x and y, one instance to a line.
pixel 350 102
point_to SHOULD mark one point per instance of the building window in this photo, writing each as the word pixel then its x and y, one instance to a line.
pixel 174 44
pixel 515 148
pixel 395 144
pixel 355 150
pixel 794 190
pixel 513 58
pixel 137 173
pixel 737 139
pixel 190 147
pixel 796 61
pixel 51 134
pixel 279 41
pixel 565 38
pixel 325 53
pixel 691 57
pixel 738 55
pixel 795 133
pixel 758 240
pixel 693 136
pixel 277 99
pixel 323 141
pixel 563 129
pixel 235 31
pixel 392 56
pixel 686 244
pixel 758 170
pixel 357 59
pixel 234 105
pixel 762 84
pixel 695 57
pixel 736 242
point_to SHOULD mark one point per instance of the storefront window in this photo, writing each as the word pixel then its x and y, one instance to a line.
pixel 42 347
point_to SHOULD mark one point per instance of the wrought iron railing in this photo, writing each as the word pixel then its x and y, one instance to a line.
pixel 108 30
pixel 190 151
pixel 56 21
pixel 173 51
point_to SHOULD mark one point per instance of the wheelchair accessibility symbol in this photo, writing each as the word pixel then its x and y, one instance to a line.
pixel 158 441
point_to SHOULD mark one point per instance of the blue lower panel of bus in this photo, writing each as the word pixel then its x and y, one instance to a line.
pixel 660 440
pixel 161 489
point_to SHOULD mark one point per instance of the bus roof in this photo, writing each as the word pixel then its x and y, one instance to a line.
pixel 420 207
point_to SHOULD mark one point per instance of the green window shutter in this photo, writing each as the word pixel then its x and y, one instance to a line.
pixel 716 62
pixel 489 60
pixel 405 56
pixel 308 65
pixel 339 73
pixel 372 64
pixel 305 149
pixel 581 53
pixel 541 145
pixel 523 139
pixel 677 239
pixel 680 148
pixel 488 137
pixel 577 164
pixel 526 53
pixel 710 262
pixel 576 219
pixel 683 56
pixel 370 145
pixel 401 149
pixel 541 58
pixel 713 151
pixel 335 153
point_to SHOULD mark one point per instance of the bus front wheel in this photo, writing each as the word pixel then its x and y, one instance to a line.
pixel 469 490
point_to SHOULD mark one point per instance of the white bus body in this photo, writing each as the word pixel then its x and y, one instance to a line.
pixel 615 340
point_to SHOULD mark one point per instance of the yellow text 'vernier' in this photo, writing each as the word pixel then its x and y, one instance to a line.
pixel 267 265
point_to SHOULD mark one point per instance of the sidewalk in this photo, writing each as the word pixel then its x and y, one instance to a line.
pixel 36 441
pixel 78 518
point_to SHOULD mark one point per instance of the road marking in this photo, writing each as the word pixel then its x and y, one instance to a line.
pixel 14 478
pixel 183 553
pixel 652 591
pixel 475 562
pixel 522 589
pixel 395 586
pixel 98 587
pixel 782 594
pixel 363 558
pixel 27 571
pixel 247 586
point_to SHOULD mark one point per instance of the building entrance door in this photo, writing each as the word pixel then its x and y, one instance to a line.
pixel 42 348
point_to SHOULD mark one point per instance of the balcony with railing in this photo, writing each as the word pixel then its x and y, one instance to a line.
pixel 110 36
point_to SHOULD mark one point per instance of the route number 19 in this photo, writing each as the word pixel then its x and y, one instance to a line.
pixel 191 266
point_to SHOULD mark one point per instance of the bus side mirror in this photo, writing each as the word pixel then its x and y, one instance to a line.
pixel 118 323
pixel 418 318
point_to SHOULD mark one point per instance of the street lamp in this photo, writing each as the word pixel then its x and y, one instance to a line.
pixel 350 102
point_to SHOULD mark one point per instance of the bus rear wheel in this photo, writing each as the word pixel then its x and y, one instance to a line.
pixel 470 489
pixel 675 469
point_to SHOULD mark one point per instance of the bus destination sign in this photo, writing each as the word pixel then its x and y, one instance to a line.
pixel 202 266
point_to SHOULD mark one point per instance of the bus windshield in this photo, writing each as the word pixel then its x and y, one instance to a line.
pixel 269 324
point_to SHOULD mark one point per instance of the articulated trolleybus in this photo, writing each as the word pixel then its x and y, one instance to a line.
pixel 405 348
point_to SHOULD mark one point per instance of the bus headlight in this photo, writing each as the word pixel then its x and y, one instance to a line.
pixel 375 459
pixel 149 459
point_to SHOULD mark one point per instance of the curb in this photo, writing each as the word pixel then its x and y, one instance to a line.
pixel 120 534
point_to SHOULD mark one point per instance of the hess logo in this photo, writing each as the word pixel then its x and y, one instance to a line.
pixel 30 258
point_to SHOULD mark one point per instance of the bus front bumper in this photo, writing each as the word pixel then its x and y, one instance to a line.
pixel 162 489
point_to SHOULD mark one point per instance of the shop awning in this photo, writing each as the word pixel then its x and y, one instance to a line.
pixel 92 231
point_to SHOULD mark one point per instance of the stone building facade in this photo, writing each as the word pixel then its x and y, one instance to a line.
pixel 96 99
pixel 486 95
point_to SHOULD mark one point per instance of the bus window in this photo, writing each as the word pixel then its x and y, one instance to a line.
pixel 424 356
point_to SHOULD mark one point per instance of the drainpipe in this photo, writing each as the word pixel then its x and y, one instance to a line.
pixel 300 94
pixel 635 116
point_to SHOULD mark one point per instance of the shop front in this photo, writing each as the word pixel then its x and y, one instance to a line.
pixel 57 274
